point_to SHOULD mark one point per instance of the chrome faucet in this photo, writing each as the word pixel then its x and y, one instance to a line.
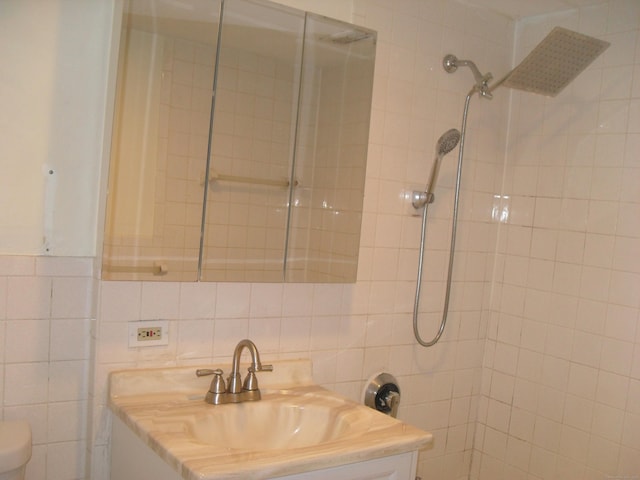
pixel 236 391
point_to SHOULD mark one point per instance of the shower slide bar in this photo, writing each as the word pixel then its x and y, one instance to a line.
pixel 219 177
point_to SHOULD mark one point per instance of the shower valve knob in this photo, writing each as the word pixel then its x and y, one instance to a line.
pixel 382 394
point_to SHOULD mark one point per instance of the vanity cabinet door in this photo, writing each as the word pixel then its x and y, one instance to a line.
pixel 396 467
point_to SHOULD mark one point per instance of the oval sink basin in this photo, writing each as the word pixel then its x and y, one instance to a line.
pixel 267 425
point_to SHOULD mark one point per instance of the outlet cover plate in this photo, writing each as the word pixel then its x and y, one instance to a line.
pixel 148 333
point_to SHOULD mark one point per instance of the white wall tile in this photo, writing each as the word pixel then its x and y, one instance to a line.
pixel 608 422
pixel 65 460
pixel 227 333
pixel 26 383
pixel 232 300
pixel 72 297
pixel 68 380
pixel 603 454
pixel 120 301
pixel 295 334
pixel 197 300
pixel 195 339
pixel 594 283
pixel 159 300
pixel 578 413
pixel 297 300
pixel 69 339
pixel 570 247
pixel 631 430
pixel 36 468
pixel 66 421
pixel 582 381
pixel 27 341
pixel 612 389
pixel 616 356
pixel 113 338
pixel 621 322
pixel 586 349
pixel 629 460
pixel 624 289
pixel 17 266
pixel 28 297
pixel 574 445
pixel 266 300
pixel 266 333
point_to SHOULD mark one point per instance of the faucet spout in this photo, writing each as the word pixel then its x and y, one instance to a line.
pixel 250 387
pixel 253 350
pixel 236 391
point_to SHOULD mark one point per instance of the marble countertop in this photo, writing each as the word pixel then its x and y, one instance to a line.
pixel 154 402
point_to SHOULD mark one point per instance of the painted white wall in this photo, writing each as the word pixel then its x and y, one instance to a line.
pixel 52 92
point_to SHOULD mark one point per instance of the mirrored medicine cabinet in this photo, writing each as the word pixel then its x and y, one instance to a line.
pixel 239 144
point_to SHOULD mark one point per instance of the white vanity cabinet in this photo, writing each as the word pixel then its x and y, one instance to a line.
pixel 132 459
pixel 163 429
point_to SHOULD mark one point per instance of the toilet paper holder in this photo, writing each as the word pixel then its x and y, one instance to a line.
pixel 383 394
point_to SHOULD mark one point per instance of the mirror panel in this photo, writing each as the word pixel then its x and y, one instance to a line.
pixel 160 138
pixel 253 129
pixel 331 152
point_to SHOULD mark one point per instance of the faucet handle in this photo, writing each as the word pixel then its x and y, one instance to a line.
pixel 217 388
pixel 251 382
pixel 203 372
pixel 217 384
pixel 261 368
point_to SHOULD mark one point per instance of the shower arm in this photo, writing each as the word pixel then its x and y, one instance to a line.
pixel 451 64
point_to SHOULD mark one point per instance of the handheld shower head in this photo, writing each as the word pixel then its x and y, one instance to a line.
pixel 447 142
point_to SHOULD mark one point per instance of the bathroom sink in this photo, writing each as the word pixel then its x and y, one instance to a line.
pixel 274 423
pixel 297 426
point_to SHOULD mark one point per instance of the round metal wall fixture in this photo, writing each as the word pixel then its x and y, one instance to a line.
pixel 449 63
pixel 383 394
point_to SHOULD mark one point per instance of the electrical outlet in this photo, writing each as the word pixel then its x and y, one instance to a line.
pixel 148 333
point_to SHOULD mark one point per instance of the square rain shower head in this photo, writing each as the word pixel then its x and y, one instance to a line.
pixel 555 62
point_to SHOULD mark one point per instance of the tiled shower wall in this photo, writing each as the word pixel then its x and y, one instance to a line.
pixel 561 386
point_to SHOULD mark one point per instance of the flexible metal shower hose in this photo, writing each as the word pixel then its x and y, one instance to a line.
pixel 454 226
